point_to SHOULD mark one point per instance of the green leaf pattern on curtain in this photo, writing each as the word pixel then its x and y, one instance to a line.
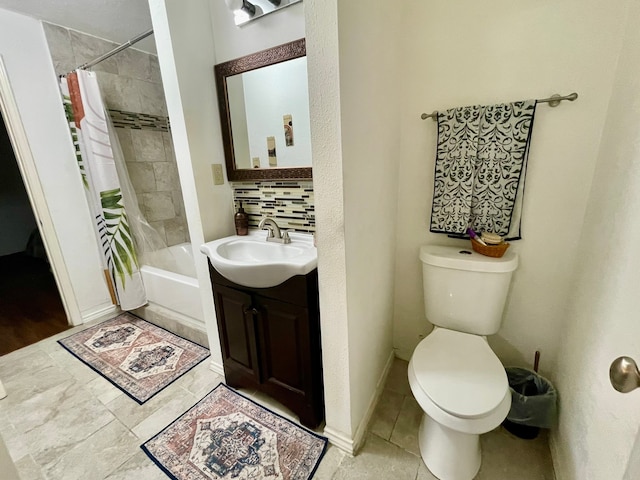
pixel 94 153
pixel 115 236
pixel 68 110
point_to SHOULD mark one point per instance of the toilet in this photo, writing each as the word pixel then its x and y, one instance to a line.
pixel 455 377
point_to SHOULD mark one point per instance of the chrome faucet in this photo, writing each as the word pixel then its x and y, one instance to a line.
pixel 274 234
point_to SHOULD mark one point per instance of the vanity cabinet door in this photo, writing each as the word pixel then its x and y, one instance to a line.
pixel 270 340
pixel 284 337
pixel 286 358
pixel 236 326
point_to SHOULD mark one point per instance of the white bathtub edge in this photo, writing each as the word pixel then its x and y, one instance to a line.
pixel 173 291
pixel 175 322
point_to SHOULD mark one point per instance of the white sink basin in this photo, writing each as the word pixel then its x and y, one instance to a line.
pixel 251 261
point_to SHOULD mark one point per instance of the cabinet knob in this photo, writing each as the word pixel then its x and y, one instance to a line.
pixel 251 310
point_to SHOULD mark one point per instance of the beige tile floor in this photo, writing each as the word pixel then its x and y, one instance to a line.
pixel 391 450
pixel 61 420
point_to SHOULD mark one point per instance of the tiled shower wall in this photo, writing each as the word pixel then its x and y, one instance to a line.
pixel 132 90
pixel 289 202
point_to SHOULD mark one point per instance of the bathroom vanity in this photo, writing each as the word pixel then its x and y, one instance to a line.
pixel 270 339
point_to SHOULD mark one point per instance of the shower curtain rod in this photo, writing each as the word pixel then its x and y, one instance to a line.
pixel 553 101
pixel 115 50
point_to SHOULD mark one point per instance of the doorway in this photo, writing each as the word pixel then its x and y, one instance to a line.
pixel 31 308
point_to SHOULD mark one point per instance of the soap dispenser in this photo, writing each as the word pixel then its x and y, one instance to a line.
pixel 242 221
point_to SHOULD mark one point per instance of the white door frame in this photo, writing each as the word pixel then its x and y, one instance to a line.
pixel 29 173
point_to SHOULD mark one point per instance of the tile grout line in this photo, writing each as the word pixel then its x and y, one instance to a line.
pixel 395 422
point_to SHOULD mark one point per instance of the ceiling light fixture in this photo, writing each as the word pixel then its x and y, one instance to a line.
pixel 245 11
pixel 244 6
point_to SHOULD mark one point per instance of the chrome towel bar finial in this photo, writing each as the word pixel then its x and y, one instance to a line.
pixel 553 101
pixel 433 115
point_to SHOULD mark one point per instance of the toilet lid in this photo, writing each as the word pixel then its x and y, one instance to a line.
pixel 459 373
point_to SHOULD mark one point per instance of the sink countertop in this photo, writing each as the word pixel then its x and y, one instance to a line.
pixel 251 261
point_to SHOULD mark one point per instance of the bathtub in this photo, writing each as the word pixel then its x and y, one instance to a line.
pixel 171 283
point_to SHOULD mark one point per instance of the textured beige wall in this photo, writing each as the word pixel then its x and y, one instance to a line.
pixel 369 103
pixel 321 18
pixel 355 186
pixel 598 426
pixel 33 82
pixel 468 52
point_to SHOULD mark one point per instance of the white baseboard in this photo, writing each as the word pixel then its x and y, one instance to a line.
pixel 340 440
pixel 216 367
pixel 358 438
pixel 100 313
pixel 352 445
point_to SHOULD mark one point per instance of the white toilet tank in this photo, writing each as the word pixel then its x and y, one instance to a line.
pixel 464 290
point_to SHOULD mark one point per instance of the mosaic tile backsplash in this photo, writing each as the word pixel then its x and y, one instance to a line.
pixel 289 202
pixel 138 121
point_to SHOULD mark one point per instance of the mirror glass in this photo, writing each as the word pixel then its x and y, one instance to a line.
pixel 271 101
pixel 264 111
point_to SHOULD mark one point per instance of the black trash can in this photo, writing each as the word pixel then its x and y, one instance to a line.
pixel 533 403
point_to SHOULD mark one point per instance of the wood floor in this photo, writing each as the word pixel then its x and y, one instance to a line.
pixel 30 305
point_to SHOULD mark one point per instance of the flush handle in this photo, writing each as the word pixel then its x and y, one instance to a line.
pixel 624 374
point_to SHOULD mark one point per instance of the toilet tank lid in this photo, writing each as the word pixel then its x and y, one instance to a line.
pixel 458 258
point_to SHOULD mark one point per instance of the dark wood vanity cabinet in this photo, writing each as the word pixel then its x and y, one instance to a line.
pixel 271 341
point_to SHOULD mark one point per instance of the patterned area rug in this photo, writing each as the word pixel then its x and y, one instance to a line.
pixel 136 356
pixel 228 436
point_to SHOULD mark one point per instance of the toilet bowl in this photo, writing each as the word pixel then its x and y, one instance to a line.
pixel 455 377
pixel 463 390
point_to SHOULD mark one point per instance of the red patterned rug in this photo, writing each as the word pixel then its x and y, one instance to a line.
pixel 136 356
pixel 228 436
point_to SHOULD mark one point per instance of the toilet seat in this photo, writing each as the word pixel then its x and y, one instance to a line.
pixel 459 373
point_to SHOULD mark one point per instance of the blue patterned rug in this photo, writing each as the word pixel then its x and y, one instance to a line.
pixel 227 436
pixel 136 356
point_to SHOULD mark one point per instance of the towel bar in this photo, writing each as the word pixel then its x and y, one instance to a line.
pixel 553 101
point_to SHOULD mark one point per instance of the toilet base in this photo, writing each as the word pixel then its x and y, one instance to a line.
pixel 448 454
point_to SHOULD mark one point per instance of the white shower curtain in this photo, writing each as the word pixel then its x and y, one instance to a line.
pixel 95 155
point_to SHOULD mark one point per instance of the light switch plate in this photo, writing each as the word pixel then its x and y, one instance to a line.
pixel 218 176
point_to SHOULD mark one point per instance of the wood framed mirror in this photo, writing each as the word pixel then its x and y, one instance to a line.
pixel 264 114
